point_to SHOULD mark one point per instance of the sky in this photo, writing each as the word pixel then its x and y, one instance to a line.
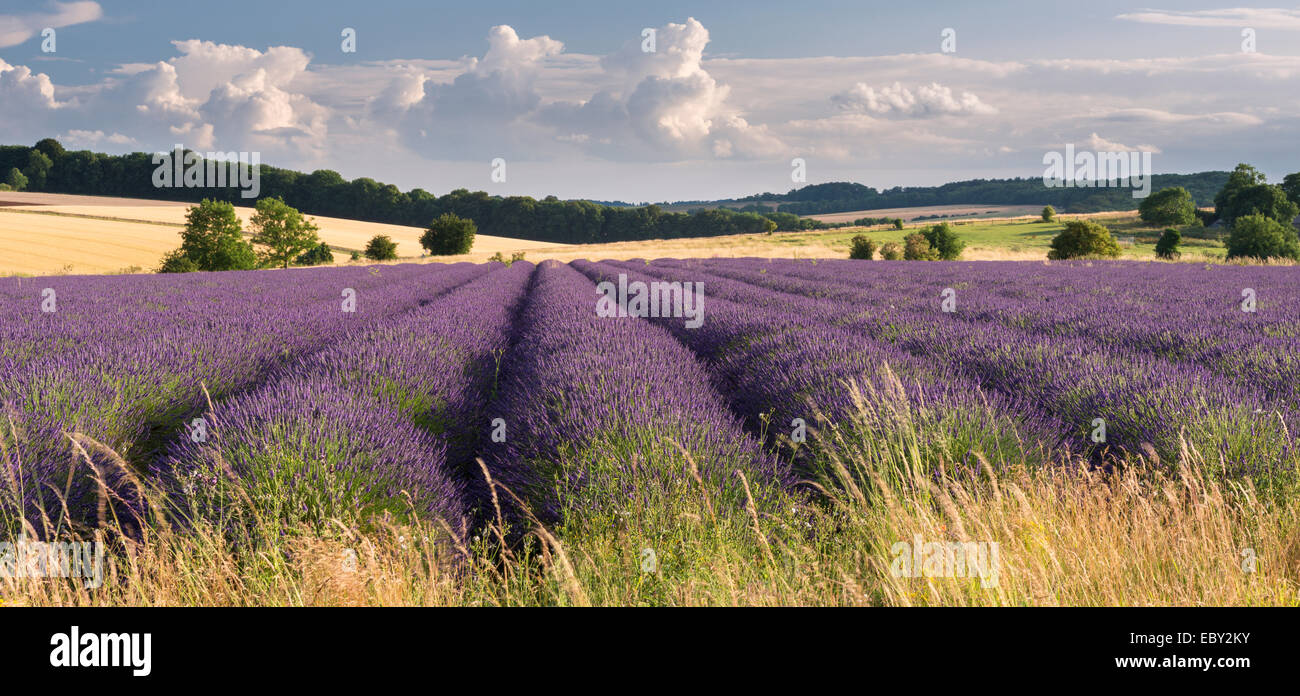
pixel 573 101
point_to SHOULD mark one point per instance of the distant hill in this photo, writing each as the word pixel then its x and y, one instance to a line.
pixel 842 196
pixel 847 196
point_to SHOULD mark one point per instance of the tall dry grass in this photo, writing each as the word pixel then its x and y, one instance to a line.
pixel 1066 534
pixel 1142 535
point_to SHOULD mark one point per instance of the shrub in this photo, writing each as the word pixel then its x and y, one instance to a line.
pixel 890 251
pixel 1082 238
pixel 1167 246
pixel 917 248
pixel 319 255
pixel 944 241
pixel 501 258
pixel 1049 213
pixel 448 235
pixel 862 248
pixel 356 256
pixel 381 248
pixel 1260 237
pixel 871 221
pixel 177 262
pixel 898 223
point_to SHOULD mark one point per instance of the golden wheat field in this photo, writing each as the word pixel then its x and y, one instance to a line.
pixel 43 234
pixel 32 244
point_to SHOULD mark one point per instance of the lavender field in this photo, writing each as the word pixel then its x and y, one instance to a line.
pixel 480 434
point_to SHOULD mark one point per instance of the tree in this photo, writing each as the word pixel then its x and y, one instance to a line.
pixel 213 240
pixel 449 234
pixel 1049 213
pixel 1168 206
pixel 898 223
pixel 1260 199
pixel 1083 238
pixel 1261 237
pixel 38 169
pixel 944 241
pixel 1241 177
pixel 1247 192
pixel 1291 187
pixel 917 248
pixel 319 255
pixel 862 248
pixel 16 180
pixel 283 231
pixel 381 248
pixel 51 148
pixel 1167 245
pixel 890 251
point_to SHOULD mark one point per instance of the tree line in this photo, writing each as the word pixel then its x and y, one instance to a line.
pixel 47 167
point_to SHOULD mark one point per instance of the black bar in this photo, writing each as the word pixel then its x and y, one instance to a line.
pixel 868 647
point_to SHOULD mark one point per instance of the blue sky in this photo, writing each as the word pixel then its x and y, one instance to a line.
pixel 563 92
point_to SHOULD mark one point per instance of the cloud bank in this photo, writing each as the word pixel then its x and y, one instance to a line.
pixel 676 110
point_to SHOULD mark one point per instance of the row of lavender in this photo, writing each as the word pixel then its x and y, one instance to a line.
pixel 383 420
pixel 1242 322
pixel 320 413
pixel 575 417
pixel 784 369
pixel 605 412
pixel 1087 344
pixel 317 415
pixel 125 361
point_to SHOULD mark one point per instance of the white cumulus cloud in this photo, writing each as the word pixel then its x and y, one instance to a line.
pixel 925 100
